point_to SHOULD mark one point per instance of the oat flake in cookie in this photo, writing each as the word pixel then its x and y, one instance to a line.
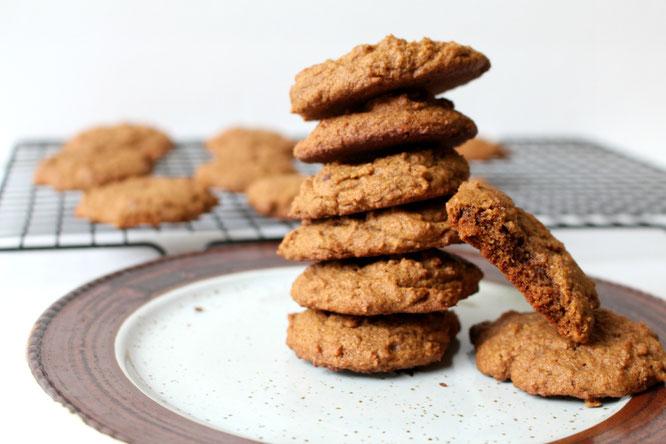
pixel 529 256
pixel 621 357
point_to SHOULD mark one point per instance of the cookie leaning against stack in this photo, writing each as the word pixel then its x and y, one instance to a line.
pixel 375 213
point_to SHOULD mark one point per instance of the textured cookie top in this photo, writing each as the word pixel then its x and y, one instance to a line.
pixel 146 200
pixel 383 123
pixel 344 188
pixel 150 141
pixel 331 87
pixel 395 230
pixel 621 357
pixel 239 141
pixel 481 149
pixel 235 170
pixel 272 195
pixel 528 255
pixel 423 282
pixel 81 170
pixel 371 344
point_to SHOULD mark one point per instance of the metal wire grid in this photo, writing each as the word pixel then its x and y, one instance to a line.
pixel 563 182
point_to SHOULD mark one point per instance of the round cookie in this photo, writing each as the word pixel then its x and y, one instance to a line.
pixel 371 344
pixel 240 140
pixel 146 200
pixel 272 195
pixel 383 123
pixel 235 171
pixel 424 282
pixel 481 149
pixel 622 357
pixel 74 170
pixel 396 230
pixel 368 71
pixel 527 253
pixel 339 189
pixel 150 141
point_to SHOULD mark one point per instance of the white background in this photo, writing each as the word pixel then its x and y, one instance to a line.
pixel 593 69
pixel 590 68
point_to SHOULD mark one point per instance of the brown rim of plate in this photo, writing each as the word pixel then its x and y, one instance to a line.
pixel 68 363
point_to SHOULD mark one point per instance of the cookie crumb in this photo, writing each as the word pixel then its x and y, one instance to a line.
pixel 443 384
pixel 198 309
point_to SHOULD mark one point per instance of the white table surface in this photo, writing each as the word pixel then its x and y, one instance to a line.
pixel 31 281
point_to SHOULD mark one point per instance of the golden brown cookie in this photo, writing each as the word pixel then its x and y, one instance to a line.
pixel 622 357
pixel 81 170
pixel 528 255
pixel 240 140
pixel 395 230
pixel 146 200
pixel 481 149
pixel 150 141
pixel 371 70
pixel 272 195
pixel 423 282
pixel 235 171
pixel 383 123
pixel 371 344
pixel 345 188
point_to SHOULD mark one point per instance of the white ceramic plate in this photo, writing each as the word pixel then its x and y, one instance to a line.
pixel 214 351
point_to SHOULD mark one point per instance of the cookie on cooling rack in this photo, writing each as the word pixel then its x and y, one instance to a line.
pixel 150 141
pixel 272 196
pixel 481 149
pixel 146 200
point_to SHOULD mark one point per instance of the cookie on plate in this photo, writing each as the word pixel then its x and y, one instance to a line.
pixel 240 141
pixel 412 227
pixel 148 140
pixel 81 170
pixel 368 71
pixel 146 200
pixel 371 344
pixel 528 255
pixel 272 195
pixel 234 171
pixel 621 357
pixel 339 189
pixel 383 123
pixel 481 149
pixel 423 282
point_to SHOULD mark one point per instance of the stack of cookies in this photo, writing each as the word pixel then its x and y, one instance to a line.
pixel 378 296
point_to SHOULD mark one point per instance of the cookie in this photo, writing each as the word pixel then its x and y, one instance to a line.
pixel 481 149
pixel 396 230
pixel 423 282
pixel 235 171
pixel 339 189
pixel 149 141
pixel 528 255
pixel 622 357
pixel 239 141
pixel 81 170
pixel 371 344
pixel 386 122
pixel 368 71
pixel 146 200
pixel 272 195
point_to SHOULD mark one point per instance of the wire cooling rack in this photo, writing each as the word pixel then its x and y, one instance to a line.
pixel 564 182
